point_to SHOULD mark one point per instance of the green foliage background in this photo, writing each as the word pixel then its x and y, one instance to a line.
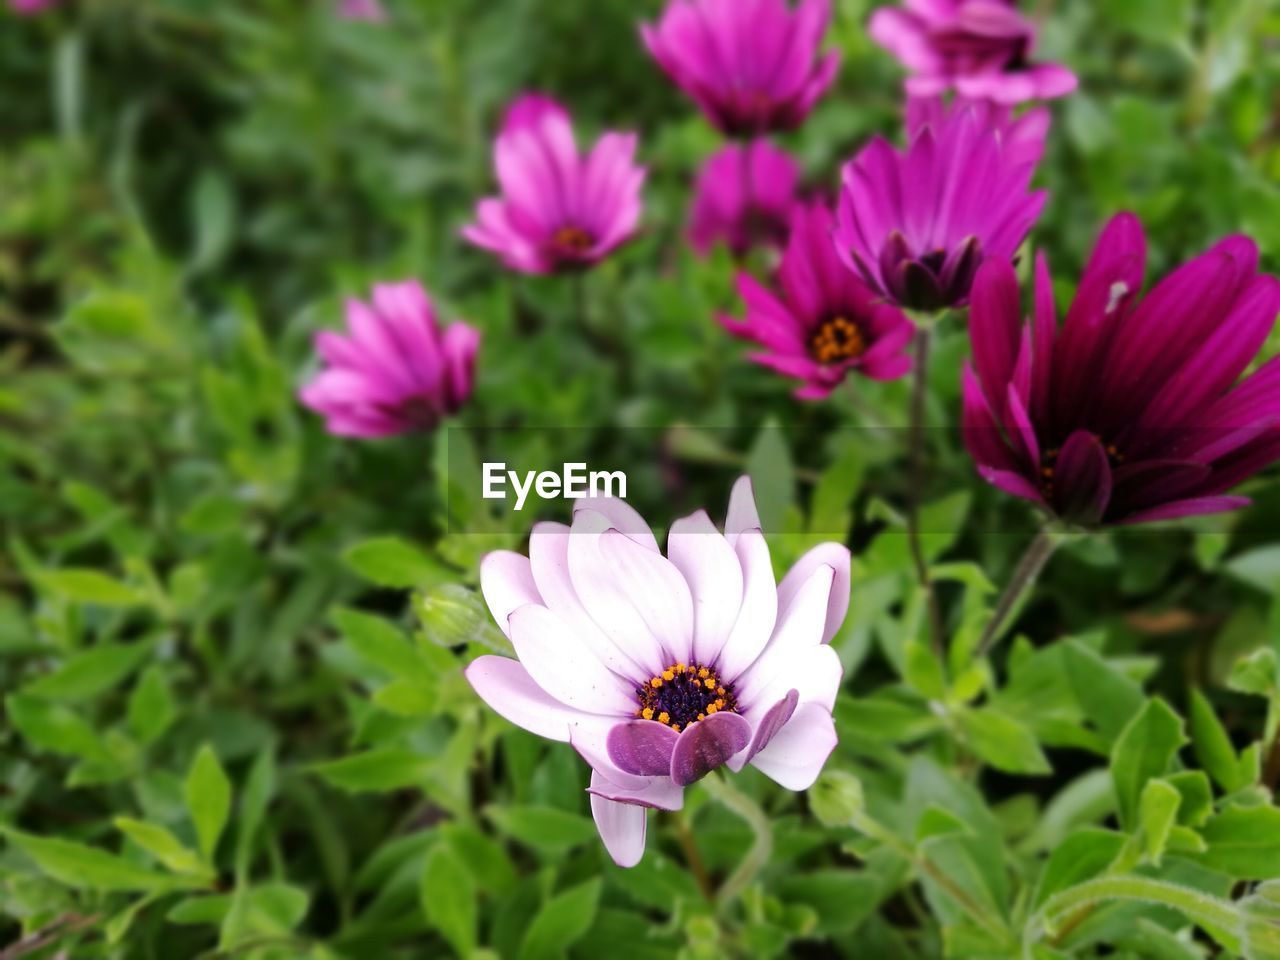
pixel 230 645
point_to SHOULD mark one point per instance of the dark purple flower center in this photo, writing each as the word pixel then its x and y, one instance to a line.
pixel 682 695
pixel 837 339
pixel 930 280
pixel 572 240
pixel 1049 464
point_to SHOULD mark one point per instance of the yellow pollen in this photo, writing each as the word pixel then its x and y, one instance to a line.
pixel 572 238
pixel 837 339
pixel 719 691
pixel 668 674
pixel 709 683
pixel 664 717
pixel 712 707
pixel 680 668
pixel 656 682
pixel 647 713
pixel 702 716
pixel 704 672
pixel 675 727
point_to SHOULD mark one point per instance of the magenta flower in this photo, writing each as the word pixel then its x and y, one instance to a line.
pixel 28 8
pixel 743 196
pixel 980 48
pixel 1023 136
pixel 1131 412
pixel 559 210
pixel 748 64
pixel 397 371
pixel 368 10
pixel 660 669
pixel 826 322
pixel 918 223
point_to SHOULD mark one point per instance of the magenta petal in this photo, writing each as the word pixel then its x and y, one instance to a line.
pixel 1082 479
pixel 642 747
pixel 706 744
pixel 1187 508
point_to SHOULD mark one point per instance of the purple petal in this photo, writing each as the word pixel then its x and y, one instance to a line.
pixel 1082 479
pixel 706 744
pixel 642 747
pixel 796 754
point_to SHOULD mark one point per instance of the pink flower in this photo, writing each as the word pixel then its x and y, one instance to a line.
pixel 28 8
pixel 917 223
pixel 660 669
pixel 749 64
pixel 396 372
pixel 1131 411
pixel 826 322
pixel 559 210
pixel 743 196
pixel 1023 137
pixel 370 10
pixel 980 48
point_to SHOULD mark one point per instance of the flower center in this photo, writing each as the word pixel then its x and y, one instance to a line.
pixel 837 339
pixel 681 695
pixel 572 239
pixel 1049 463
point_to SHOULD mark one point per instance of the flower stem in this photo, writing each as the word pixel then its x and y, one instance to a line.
pixel 692 858
pixel 761 846
pixel 919 392
pixel 1057 917
pixel 1024 577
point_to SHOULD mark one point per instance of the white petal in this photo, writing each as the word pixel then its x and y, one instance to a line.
pixel 621 827
pixel 655 589
pixel 505 685
pixel 795 756
pixel 506 581
pixel 742 515
pixel 835 556
pixel 714 575
pixel 564 666
pixel 549 558
pixel 815 673
pixel 758 614
pixel 798 629
pixel 621 516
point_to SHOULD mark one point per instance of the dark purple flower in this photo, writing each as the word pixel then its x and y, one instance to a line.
pixel 826 322
pixel 749 64
pixel 1131 412
pixel 743 196
pixel 559 210
pixel 397 371
pixel 980 48
pixel 918 223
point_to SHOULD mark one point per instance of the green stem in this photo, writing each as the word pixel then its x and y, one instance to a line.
pixel 919 393
pixel 762 831
pixel 1024 577
pixel 1209 912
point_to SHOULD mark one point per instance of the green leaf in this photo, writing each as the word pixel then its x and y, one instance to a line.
pixel 386 768
pixel 1085 854
pixel 1108 697
pixel 548 829
pixel 163 845
pixel 941 522
pixel 1003 742
pixel 392 562
pixel 259 787
pixel 208 795
pixel 56 728
pixel 1196 801
pixel 381 644
pixel 271 910
pixel 561 922
pixel 1212 746
pixel 772 475
pixel 843 898
pixel 1157 813
pixel 82 867
pixel 1145 750
pixel 91 586
pixel 151 708
pixel 1244 842
pixel 836 798
pixel 89 672
pixel 1256 674
pixel 448 896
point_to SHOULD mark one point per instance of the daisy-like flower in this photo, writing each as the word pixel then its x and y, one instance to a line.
pixel 917 223
pixel 743 196
pixel 1023 135
pixel 559 210
pixel 660 669
pixel 396 371
pixel 825 322
pixel 752 66
pixel 1131 412
pixel 979 48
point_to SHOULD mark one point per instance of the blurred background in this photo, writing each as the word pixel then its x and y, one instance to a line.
pixel 201 592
